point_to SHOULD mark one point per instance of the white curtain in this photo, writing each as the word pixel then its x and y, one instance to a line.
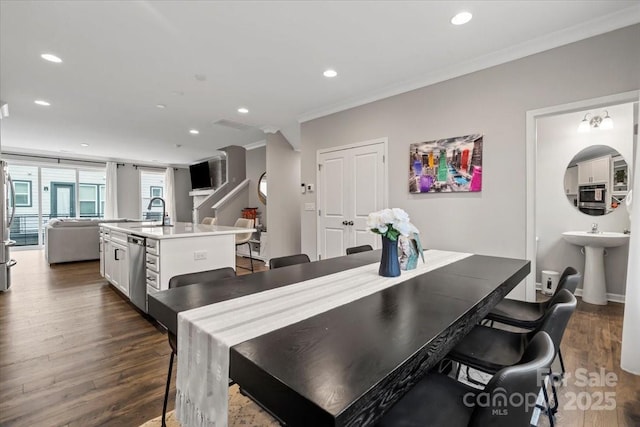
pixel 630 360
pixel 170 194
pixel 111 191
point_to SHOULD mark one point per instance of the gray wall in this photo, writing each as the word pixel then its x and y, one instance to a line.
pixel 236 167
pixel 236 164
pixel 492 101
pixel 184 203
pixel 232 210
pixel 558 141
pixel 283 170
pixel 129 201
pixel 256 166
pixel 129 192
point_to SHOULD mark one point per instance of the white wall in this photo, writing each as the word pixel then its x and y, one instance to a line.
pixel 283 197
pixel 256 166
pixel 558 142
pixel 494 102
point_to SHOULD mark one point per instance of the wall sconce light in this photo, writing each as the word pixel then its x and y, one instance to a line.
pixel 597 122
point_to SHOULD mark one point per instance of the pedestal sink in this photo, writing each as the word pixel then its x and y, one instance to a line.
pixel 594 287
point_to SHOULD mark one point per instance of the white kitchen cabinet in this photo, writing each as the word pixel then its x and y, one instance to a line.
pixel 120 274
pixel 170 251
pixel 571 181
pixel 101 250
pixel 116 261
pixel 166 258
pixel 152 261
pixel 108 259
pixel 595 171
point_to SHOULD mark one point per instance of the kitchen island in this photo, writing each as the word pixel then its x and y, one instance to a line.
pixel 138 259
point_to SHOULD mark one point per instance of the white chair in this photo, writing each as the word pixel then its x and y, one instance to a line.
pixel 207 220
pixel 243 238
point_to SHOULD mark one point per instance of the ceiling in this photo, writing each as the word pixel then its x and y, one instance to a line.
pixel 203 60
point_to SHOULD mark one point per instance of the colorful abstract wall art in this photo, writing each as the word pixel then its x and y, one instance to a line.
pixel 446 165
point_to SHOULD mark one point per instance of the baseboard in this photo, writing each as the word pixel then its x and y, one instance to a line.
pixel 610 297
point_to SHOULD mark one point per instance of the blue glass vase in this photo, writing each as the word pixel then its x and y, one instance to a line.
pixel 389 263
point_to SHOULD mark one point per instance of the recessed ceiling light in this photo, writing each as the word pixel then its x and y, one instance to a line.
pixel 461 18
pixel 42 102
pixel 330 73
pixel 194 131
pixel 84 145
pixel 161 106
pixel 51 58
pixel 243 110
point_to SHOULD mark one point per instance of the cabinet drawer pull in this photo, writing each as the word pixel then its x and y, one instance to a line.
pixel 151 278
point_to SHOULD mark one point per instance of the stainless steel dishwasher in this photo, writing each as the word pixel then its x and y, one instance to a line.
pixel 137 271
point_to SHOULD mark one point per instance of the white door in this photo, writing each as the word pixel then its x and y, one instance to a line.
pixel 350 186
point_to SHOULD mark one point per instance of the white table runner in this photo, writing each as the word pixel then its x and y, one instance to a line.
pixel 205 334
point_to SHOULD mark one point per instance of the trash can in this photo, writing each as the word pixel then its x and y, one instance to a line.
pixel 549 281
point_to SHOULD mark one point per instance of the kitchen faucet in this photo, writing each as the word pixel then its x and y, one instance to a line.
pixel 594 227
pixel 164 211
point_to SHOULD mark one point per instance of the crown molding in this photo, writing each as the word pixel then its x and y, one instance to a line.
pixel 40 156
pixel 594 27
pixel 254 145
pixel 269 129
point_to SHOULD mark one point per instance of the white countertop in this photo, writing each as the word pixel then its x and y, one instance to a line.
pixel 176 231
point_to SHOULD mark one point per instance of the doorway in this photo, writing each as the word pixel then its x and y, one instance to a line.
pixel 352 183
pixel 63 200
pixel 535 200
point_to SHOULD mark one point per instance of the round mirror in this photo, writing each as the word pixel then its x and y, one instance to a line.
pixel 596 181
pixel 262 188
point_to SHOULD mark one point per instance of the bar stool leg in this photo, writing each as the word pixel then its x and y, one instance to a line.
pixel 549 411
pixel 561 362
pixel 166 392
pixel 250 256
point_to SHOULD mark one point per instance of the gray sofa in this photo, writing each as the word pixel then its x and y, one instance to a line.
pixel 68 239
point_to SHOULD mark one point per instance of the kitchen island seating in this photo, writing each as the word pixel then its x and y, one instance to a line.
pixel 244 239
pixel 439 400
pixel 528 315
pixel 207 277
pixel 288 260
pixel 358 249
pixel 208 220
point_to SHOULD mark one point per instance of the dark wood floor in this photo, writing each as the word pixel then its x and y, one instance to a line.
pixel 74 353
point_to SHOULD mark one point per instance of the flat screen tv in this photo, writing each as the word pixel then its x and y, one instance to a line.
pixel 200 176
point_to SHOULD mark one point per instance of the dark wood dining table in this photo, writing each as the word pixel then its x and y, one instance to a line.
pixel 348 365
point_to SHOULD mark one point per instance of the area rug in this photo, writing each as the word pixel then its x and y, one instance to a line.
pixel 242 412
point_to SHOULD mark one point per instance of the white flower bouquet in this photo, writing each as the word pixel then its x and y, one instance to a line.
pixel 391 223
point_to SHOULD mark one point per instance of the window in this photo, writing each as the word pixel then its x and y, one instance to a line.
pixel 88 196
pixel 47 191
pixel 23 193
pixel 151 185
pixel 156 192
pixel 102 199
